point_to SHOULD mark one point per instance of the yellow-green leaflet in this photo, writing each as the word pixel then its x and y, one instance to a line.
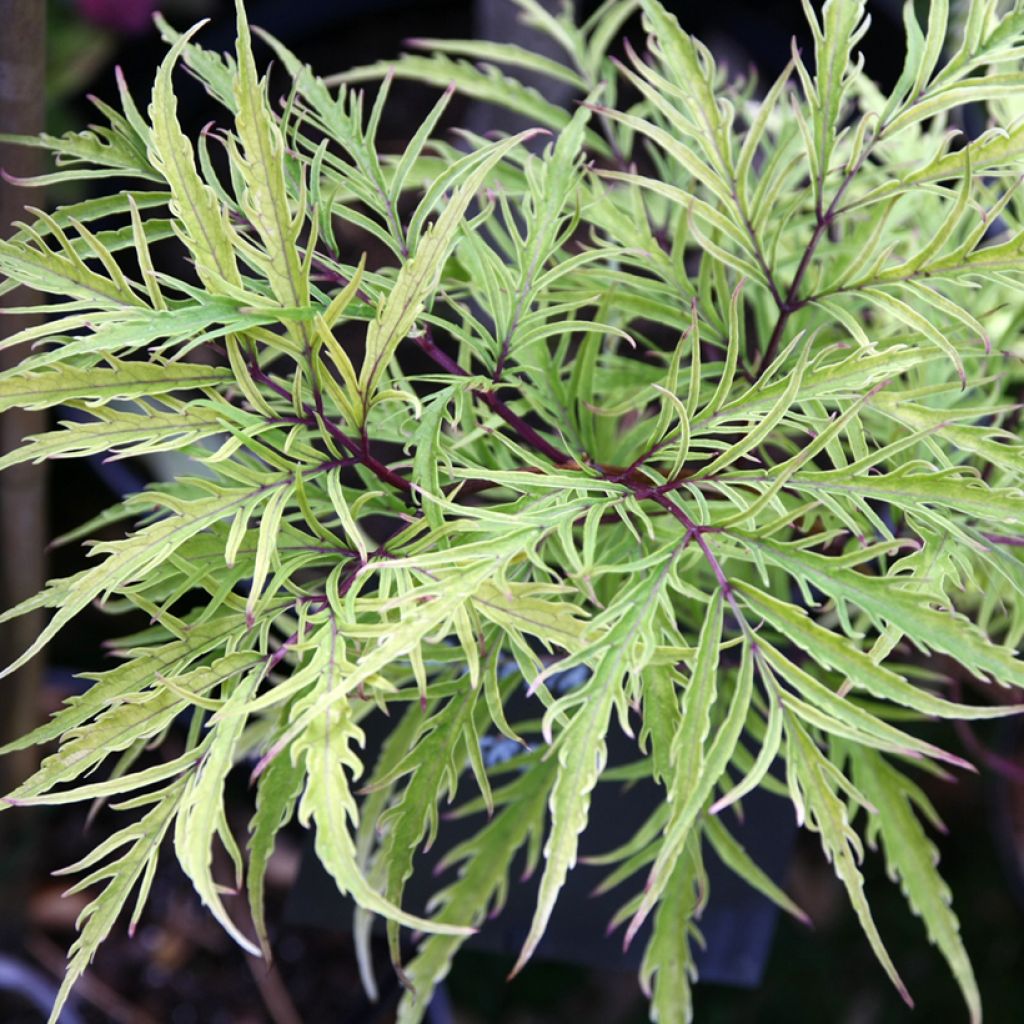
pixel 100 385
pixel 203 221
pixel 668 959
pixel 128 559
pixel 141 841
pixel 277 792
pixel 418 277
pixel 201 818
pixel 328 803
pixel 261 163
pixel 912 858
pixel 811 779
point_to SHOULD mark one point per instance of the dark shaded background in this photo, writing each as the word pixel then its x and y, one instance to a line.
pixel 180 969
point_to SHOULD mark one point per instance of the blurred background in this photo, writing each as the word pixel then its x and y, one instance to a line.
pixel 179 968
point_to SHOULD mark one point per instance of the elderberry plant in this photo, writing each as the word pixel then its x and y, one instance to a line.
pixel 701 392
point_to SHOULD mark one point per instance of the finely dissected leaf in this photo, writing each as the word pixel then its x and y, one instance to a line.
pixel 696 769
pixel 811 780
pixel 581 759
pixel 529 609
pixel 419 277
pixel 482 883
pixel 130 717
pixel 912 858
pixel 944 630
pixel 159 661
pixel 131 333
pixel 276 794
pixel 668 959
pixel 121 433
pixel 839 653
pixel 661 720
pixel 868 729
pixel 841 27
pixel 121 875
pixel 486 83
pixel 201 818
pixel 501 53
pixel 204 222
pixel 64 273
pixel 128 559
pixel 102 384
pixel 433 768
pixel 696 418
pixel 735 857
pixel 327 802
pixel 427 452
pixel 999 447
pixel 910 485
pixel 262 167
pixel 582 753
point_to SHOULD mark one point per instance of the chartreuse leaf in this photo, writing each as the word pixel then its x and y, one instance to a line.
pixel 129 559
pixel 912 485
pixel 427 452
pixel 128 718
pixel 508 54
pixel 581 746
pixel 842 26
pixel 912 858
pixel 661 719
pixel 418 278
pixel 266 546
pixel 123 433
pixel 690 65
pixel 482 883
pixel 100 385
pixel 885 600
pixel 327 802
pixel 697 761
pixel 202 220
pixel 581 757
pixel 277 791
pixel 868 729
pixel 841 654
pixel 63 273
pixel 432 768
pixel 201 818
pixel 812 782
pixel 261 163
pixel 529 608
pixel 111 687
pixel 135 866
pixel 770 744
pixel 732 854
pixel 486 83
pixel 999 447
pixel 917 321
pixel 668 959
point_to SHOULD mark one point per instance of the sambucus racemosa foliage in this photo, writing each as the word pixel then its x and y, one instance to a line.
pixel 701 393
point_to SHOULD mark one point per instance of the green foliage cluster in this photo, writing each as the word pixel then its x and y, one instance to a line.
pixel 701 390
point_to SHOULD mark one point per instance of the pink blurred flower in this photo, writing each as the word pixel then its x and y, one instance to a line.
pixel 130 16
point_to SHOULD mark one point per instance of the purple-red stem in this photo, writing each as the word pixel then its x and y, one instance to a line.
pixel 527 434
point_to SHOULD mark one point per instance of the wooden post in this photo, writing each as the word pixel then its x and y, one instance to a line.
pixel 23 511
